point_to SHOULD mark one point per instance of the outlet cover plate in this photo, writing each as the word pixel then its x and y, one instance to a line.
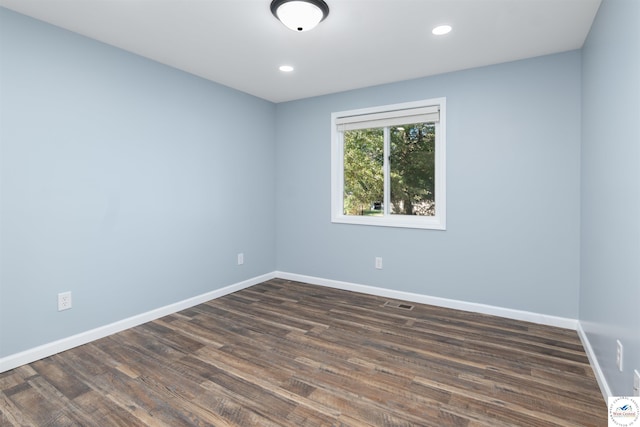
pixel 64 301
pixel 619 355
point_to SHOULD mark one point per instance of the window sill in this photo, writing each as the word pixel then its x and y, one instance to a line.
pixel 400 221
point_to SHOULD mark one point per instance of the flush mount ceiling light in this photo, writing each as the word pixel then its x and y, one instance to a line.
pixel 300 15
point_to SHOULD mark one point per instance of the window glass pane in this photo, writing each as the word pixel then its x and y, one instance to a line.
pixel 412 169
pixel 363 171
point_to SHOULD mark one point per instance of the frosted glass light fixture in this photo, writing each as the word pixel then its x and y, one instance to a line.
pixel 300 15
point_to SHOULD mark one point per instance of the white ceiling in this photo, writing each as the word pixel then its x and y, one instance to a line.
pixel 362 43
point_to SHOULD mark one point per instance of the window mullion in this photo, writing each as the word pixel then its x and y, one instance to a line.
pixel 387 167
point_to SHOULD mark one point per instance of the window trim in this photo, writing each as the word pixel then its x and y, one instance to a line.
pixel 436 222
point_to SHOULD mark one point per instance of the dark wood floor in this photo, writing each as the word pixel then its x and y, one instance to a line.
pixel 290 354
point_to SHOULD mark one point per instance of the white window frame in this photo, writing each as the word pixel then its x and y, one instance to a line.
pixel 436 222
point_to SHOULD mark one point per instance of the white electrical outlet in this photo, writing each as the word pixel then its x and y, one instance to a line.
pixel 240 258
pixel 64 301
pixel 619 355
pixel 379 263
pixel 636 382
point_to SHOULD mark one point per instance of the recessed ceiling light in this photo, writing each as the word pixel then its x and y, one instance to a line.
pixel 286 68
pixel 441 30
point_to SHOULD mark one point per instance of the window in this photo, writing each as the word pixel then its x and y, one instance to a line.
pixel 388 165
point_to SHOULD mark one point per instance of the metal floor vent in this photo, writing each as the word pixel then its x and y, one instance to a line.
pixel 395 304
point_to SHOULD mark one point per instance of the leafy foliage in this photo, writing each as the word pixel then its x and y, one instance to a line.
pixel 363 169
pixel 412 169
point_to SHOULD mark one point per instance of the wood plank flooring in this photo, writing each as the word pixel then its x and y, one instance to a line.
pixel 285 353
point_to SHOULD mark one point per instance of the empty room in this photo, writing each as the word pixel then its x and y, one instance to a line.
pixel 320 213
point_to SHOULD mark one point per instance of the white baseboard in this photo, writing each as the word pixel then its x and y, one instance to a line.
pixel 593 360
pixel 543 319
pixel 46 350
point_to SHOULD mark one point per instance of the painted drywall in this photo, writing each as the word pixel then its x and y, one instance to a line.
pixel 610 193
pixel 513 152
pixel 127 182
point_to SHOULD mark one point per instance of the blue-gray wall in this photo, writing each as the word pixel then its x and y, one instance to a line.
pixel 134 185
pixel 513 191
pixel 131 184
pixel 610 221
